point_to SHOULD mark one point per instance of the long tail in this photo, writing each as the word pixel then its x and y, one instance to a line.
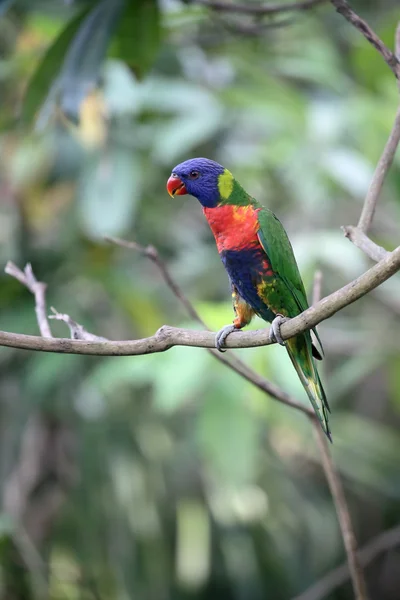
pixel 300 351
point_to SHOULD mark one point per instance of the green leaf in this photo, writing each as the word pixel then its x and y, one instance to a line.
pixel 109 189
pixel 85 57
pixel 79 52
pixel 50 65
pixel 228 432
pixel 138 36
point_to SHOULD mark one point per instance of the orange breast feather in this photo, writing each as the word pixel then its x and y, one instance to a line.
pixel 234 227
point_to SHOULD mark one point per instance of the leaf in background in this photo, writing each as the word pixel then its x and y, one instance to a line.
pixel 138 35
pixel 49 66
pixel 228 432
pixel 84 58
pixel 180 377
pixel 109 189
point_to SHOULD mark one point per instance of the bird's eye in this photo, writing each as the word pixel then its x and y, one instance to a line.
pixel 194 174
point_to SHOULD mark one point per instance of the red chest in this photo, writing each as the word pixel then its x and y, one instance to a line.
pixel 234 227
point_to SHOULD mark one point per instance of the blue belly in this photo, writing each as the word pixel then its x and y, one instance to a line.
pixel 244 268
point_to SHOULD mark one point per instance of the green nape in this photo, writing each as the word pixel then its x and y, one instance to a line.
pixel 231 192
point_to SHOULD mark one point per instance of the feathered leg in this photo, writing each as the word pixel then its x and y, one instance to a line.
pixel 244 313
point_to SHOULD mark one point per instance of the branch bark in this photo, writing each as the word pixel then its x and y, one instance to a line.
pixel 364 243
pixel 337 492
pixel 167 337
pixel 382 168
pixel 38 289
pixel 260 10
pixel 382 543
pixel 348 13
pixel 343 513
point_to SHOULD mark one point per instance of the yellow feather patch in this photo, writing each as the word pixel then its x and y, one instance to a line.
pixel 241 214
pixel 267 290
pixel 225 184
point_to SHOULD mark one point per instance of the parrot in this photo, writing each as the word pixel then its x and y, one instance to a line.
pixel 259 259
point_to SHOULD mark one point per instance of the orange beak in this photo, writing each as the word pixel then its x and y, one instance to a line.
pixel 175 186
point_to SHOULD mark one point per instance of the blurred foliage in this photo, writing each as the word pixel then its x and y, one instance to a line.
pixel 176 479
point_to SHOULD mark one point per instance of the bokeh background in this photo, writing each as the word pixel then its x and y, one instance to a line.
pixel 168 477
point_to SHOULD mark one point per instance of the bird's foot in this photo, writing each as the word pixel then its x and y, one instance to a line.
pixel 275 330
pixel 222 335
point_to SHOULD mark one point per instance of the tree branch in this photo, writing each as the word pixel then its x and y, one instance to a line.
pixel 382 169
pixel 383 542
pixel 348 13
pixel 38 289
pixel 364 243
pixel 337 492
pixel 258 10
pixel 77 331
pixel 167 337
pixel 343 513
pixel 357 235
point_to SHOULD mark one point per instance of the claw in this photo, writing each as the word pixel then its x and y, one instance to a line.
pixel 222 335
pixel 275 331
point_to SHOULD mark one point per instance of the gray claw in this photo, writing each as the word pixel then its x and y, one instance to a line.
pixel 222 335
pixel 275 331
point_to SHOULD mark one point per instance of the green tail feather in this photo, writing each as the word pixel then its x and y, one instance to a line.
pixel 300 351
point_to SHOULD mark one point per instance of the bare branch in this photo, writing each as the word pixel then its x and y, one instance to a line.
pixel 78 332
pixel 348 13
pixel 166 337
pixel 336 489
pixel 379 176
pixel 322 588
pixel 364 243
pixel 258 10
pixel 38 289
pixel 151 253
pixel 342 510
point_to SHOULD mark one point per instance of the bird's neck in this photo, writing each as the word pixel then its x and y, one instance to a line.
pixel 234 227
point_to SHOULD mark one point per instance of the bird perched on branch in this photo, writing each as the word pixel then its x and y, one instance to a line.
pixel 259 259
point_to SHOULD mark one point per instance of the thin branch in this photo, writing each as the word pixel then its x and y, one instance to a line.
pixel 337 492
pixel 382 543
pixel 382 168
pixel 38 289
pixel 166 336
pixel 78 332
pixel 259 10
pixel 364 243
pixel 348 13
pixel 151 253
pixel 233 362
pixel 342 510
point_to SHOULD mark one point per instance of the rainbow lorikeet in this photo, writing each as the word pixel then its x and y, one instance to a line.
pixel 257 254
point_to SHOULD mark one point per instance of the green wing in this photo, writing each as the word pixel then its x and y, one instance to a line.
pixel 276 244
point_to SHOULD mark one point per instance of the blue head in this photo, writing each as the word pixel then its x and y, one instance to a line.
pixel 198 177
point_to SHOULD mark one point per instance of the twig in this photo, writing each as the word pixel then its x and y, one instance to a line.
pixel 348 13
pixel 38 289
pixel 151 253
pixel 364 243
pixel 379 176
pixel 337 492
pixel 78 332
pixel 166 337
pixel 342 510
pixel 383 542
pixel 257 10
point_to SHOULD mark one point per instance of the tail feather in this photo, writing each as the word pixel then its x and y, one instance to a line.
pixel 301 355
